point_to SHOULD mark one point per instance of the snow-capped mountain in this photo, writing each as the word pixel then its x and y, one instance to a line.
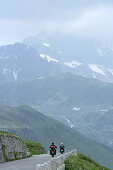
pixel 22 62
pixel 43 56
pixel 86 57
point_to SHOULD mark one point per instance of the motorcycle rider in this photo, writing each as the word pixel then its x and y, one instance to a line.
pixel 62 146
pixel 53 146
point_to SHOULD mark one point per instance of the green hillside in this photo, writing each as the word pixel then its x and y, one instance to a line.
pixel 34 147
pixel 32 125
pixel 80 162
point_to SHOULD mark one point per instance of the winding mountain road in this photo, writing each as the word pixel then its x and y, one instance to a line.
pixel 26 164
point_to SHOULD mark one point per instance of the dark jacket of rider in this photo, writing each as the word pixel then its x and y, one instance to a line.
pixel 53 146
pixel 62 146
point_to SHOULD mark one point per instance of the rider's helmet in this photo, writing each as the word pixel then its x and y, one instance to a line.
pixel 61 143
pixel 52 143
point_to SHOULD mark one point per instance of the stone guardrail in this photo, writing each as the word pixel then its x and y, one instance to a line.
pixel 56 163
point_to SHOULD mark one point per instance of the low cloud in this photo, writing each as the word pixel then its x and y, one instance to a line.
pixel 75 18
pixel 94 22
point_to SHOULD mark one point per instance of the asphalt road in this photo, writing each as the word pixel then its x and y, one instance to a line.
pixel 26 164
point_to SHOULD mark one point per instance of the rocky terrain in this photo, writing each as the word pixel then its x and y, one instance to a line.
pixel 12 148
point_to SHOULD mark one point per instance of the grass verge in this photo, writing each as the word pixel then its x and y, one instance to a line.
pixel 82 162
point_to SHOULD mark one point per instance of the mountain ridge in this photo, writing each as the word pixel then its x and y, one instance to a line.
pixel 82 103
pixel 84 56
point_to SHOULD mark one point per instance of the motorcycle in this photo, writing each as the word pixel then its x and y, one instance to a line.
pixel 61 150
pixel 52 152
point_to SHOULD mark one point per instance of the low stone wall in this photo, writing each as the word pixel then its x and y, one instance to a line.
pixel 11 148
pixel 56 163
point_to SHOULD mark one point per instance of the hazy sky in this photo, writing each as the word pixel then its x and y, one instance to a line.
pixel 22 18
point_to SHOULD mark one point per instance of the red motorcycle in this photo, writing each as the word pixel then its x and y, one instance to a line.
pixel 52 151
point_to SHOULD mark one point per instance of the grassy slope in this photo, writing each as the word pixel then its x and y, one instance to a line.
pixel 80 162
pixel 35 148
pixel 45 130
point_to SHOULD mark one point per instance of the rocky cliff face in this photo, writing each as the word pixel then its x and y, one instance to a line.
pixel 12 148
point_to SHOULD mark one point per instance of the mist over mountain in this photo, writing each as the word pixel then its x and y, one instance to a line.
pixel 83 56
pixel 44 55
pixel 21 62
pixel 67 88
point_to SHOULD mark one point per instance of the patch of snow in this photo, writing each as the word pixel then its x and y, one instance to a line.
pixel 104 110
pixel 33 107
pixel 40 78
pixel 73 64
pixel 103 50
pixel 83 76
pixel 76 108
pixel 46 44
pixel 15 73
pixel 48 58
pixel 6 70
pixel 97 68
pixel 94 76
pixel 4 57
pixel 68 121
pixel 100 52
pixel 111 71
pixel 43 56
